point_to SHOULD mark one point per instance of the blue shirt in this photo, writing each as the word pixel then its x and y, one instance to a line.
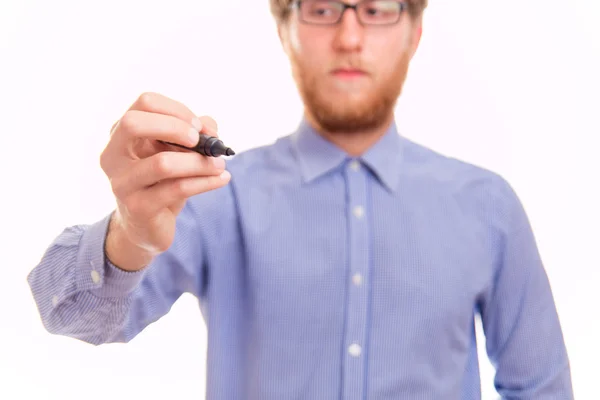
pixel 322 276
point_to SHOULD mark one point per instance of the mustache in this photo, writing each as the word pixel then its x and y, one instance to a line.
pixel 349 61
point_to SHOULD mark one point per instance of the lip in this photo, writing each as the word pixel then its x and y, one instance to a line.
pixel 348 73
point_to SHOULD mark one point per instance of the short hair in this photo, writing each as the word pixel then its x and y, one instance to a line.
pixel 280 9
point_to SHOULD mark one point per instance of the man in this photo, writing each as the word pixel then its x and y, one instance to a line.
pixel 342 261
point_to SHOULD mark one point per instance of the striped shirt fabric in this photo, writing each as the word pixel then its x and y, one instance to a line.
pixel 325 276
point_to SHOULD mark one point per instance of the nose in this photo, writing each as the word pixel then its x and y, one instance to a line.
pixel 349 32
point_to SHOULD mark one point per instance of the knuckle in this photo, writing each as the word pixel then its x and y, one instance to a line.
pixel 102 160
pixel 181 188
pixel 162 165
pixel 107 162
pixel 146 99
pixel 128 123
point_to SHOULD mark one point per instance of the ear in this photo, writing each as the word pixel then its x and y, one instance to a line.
pixel 283 36
pixel 417 34
pixel 280 33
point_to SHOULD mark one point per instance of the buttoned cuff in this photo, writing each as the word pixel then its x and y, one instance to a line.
pixel 95 272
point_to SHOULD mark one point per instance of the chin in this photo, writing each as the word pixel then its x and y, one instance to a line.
pixel 348 88
pixel 349 107
pixel 346 97
pixel 350 104
pixel 350 112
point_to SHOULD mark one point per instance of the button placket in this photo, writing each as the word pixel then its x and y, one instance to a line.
pixel 356 323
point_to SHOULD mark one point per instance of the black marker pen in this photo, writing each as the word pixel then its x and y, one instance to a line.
pixel 208 146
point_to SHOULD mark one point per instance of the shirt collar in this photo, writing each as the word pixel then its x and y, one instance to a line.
pixel 317 156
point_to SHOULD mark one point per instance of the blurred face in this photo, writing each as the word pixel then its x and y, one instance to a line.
pixel 349 74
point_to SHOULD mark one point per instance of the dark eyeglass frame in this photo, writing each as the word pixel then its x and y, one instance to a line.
pixel 402 7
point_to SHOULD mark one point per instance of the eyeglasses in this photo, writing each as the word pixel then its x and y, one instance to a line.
pixel 368 12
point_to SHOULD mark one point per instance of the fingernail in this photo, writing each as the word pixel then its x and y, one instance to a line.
pixel 197 124
pixel 225 175
pixel 219 162
pixel 194 136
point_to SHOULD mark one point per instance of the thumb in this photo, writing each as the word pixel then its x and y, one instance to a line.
pixel 209 125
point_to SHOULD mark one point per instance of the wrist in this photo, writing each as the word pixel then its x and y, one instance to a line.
pixel 121 251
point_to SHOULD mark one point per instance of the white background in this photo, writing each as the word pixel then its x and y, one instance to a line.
pixel 511 86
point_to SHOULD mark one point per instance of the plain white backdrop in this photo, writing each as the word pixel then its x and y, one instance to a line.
pixel 510 86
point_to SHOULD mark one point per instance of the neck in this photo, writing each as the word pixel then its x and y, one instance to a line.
pixel 353 143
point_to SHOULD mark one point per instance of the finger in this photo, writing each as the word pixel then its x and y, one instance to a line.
pixel 209 126
pixel 148 202
pixel 146 125
pixel 159 104
pixel 163 166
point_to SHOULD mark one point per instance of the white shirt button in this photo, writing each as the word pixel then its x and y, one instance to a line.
pixel 355 165
pixel 95 276
pixel 357 279
pixel 354 350
pixel 358 211
pixel 54 301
